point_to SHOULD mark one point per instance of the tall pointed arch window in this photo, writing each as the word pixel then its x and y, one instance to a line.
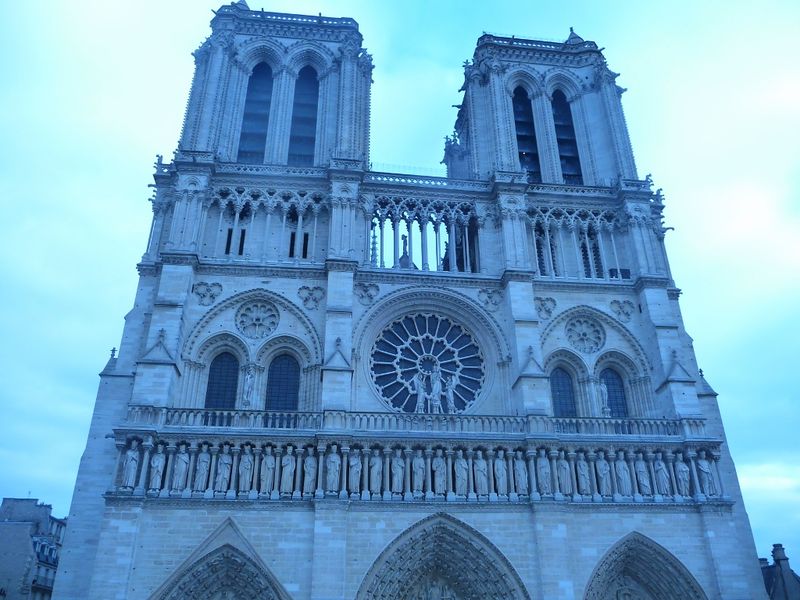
pixel 526 135
pixel 303 135
pixel 283 383
pixel 565 137
pixel 563 393
pixel 617 403
pixel 223 380
pixel 253 138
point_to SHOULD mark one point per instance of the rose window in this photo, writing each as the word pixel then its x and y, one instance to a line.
pixel 257 319
pixel 427 364
pixel 585 334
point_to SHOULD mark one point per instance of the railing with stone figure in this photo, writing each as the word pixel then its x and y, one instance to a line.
pixel 367 467
pixel 401 421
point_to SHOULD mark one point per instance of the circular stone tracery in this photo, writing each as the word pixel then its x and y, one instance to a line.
pixel 432 350
pixel 585 334
pixel 257 319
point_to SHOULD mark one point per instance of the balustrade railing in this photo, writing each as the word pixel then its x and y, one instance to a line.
pixel 412 422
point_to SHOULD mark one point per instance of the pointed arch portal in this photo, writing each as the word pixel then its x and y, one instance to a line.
pixel 442 558
pixel 224 574
pixel 637 568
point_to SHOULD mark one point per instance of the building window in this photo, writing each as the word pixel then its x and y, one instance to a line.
pixel 304 119
pixel 565 136
pixel 563 393
pixel 223 379
pixel 283 383
pixel 590 252
pixel 616 393
pixel 526 135
pixel 253 139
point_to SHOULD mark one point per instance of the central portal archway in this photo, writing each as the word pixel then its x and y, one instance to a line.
pixel 441 558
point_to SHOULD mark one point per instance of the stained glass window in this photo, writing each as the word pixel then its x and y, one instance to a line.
pixel 253 138
pixel 223 379
pixel 283 383
pixel 563 393
pixel 616 393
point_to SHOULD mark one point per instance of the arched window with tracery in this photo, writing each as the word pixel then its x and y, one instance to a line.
pixel 615 387
pixel 303 135
pixel 253 137
pixel 526 135
pixel 223 381
pixel 591 255
pixel 563 392
pixel 283 383
pixel 565 137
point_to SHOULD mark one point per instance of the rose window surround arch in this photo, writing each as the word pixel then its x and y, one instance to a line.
pixel 427 363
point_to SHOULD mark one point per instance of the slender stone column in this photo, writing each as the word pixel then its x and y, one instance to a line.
pixel 297 492
pixel 699 496
pixel 715 456
pixel 365 454
pixel 576 496
pixel 637 496
pixel 343 472
pixel 471 495
pixel 212 471
pixel 512 489
pixel 593 483
pixel 255 483
pixel 449 479
pixel 554 475
pixel 320 493
pixel 669 457
pixel 142 484
pixel 117 477
pixel 387 488
pixel 650 457
pixel 165 489
pixel 532 483
pixel 276 485
pixel 187 490
pixel 428 475
pixel 407 495
pixel 234 482
pixel 490 475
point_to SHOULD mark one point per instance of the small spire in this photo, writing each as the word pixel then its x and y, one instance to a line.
pixel 113 353
pixel 243 4
pixel 574 38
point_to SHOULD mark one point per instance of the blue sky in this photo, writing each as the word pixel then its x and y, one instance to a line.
pixel 91 91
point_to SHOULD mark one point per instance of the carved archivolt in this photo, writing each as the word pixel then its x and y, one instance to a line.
pixel 445 551
pixel 639 564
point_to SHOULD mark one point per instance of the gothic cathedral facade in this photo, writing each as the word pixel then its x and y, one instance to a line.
pixel 342 383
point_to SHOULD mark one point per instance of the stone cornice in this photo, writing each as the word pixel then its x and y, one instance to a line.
pixel 434 278
pixel 257 270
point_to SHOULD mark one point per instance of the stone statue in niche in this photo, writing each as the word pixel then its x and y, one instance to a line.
pixel 582 467
pixel 623 475
pixel 681 474
pixel 500 474
pixel 398 466
pixel 435 396
pixel 602 389
pixel 181 469
pixel 417 472
pixel 481 475
pixel 249 382
pixel 662 475
pixel 202 468
pixel 288 465
pixel 375 472
pixel 333 465
pixel 642 476
pixel 267 471
pixel 157 462
pixel 520 474
pixel 309 472
pixel 354 472
pixel 130 465
pixel 603 474
pixel 419 391
pixel 245 469
pixel 450 394
pixel 461 467
pixel 224 464
pixel 439 467
pixel 707 484
pixel 543 473
pixel 564 477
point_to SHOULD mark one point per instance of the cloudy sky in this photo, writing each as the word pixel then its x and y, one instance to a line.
pixel 91 91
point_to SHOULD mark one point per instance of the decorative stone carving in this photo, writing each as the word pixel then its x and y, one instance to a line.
pixel 564 477
pixel 267 471
pixel 206 292
pixel 257 319
pixel 366 292
pixel 681 475
pixel 311 296
pixel 603 474
pixel 201 469
pixel 585 334
pixel 157 462
pixel 543 473
pixel 181 469
pixel 245 469
pixel 421 352
pixel 500 474
pixel 309 473
pixel 375 473
pixel 224 465
pixel 249 382
pixel 707 484
pixel 130 465
pixel 623 475
pixel 288 465
pixel 354 472
pixel 662 476
pixel 398 467
pixel 582 468
pixel 544 307
pixel 491 299
pixel 333 465
pixel 481 474
pixel 417 473
pixel 461 467
pixel 439 467
pixel 622 309
pixel 642 476
pixel 520 474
